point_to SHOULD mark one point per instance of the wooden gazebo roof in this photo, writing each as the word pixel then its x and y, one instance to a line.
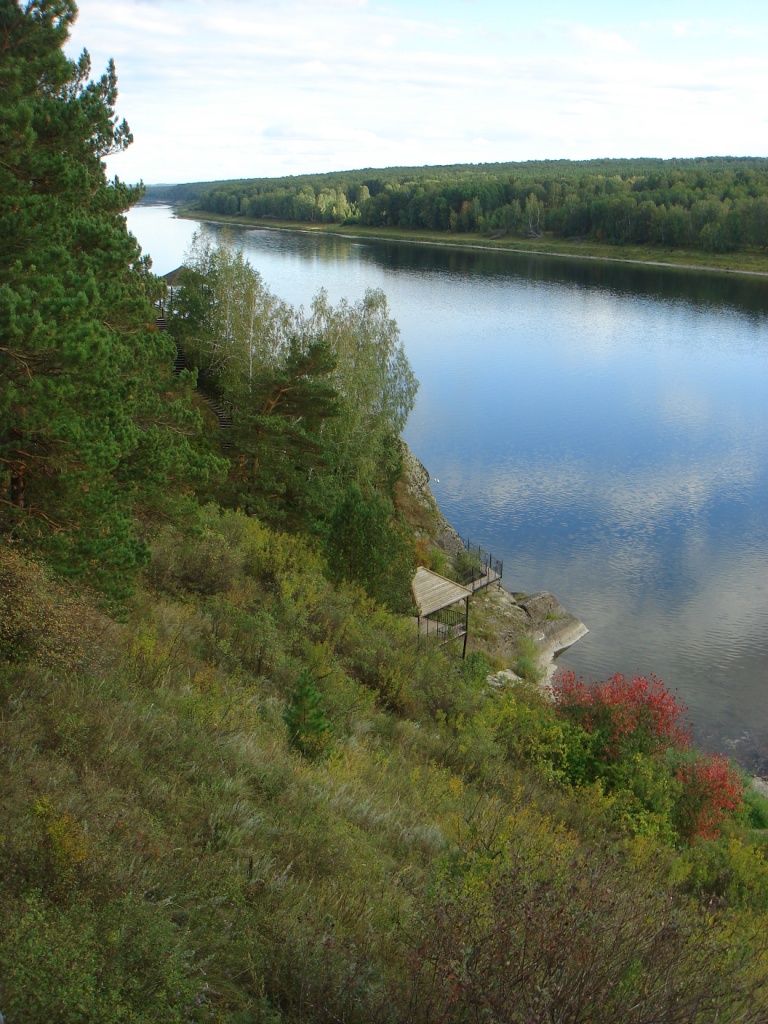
pixel 172 276
pixel 431 592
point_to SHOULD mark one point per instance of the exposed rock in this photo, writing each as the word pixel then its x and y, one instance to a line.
pixel 415 499
pixel 504 617
pixel 541 606
pixel 555 628
pixel 501 679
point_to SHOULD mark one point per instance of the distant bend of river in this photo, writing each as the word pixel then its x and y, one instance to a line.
pixel 601 427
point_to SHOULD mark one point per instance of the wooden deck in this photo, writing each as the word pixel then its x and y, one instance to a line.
pixel 443 607
pixel 443 604
pixel 489 577
pixel 431 592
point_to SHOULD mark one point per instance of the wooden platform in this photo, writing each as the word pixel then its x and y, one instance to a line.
pixel 489 576
pixel 438 602
pixel 431 592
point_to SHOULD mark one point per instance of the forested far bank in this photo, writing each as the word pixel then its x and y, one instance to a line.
pixel 712 204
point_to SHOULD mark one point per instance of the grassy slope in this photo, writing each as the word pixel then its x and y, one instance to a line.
pixel 166 855
pixel 744 262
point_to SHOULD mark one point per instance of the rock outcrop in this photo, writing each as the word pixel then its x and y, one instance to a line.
pixel 552 627
pixel 505 616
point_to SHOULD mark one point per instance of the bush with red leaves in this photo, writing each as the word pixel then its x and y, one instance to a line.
pixel 623 718
pixel 713 791
pixel 624 715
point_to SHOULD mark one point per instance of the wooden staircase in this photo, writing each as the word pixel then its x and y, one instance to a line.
pixel 222 414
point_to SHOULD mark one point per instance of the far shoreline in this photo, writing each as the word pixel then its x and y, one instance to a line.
pixel 567 250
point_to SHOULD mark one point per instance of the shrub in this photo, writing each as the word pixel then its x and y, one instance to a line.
pixel 712 791
pixel 438 561
pixel 307 725
pixel 203 564
pixel 527 664
pixel 724 870
pixel 528 731
pixel 370 544
pixel 557 933
pixel 76 965
pixel 624 715
pixel 641 750
pixel 755 808
pixel 466 565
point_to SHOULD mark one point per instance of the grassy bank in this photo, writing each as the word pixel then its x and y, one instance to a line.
pixel 169 851
pixel 753 262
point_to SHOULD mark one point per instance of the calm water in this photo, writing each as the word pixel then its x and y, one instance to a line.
pixel 602 428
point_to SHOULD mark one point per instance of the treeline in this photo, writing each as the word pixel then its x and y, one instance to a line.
pixel 717 204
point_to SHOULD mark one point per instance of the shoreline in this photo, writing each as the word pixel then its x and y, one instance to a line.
pixel 513 610
pixel 506 616
pixel 453 243
pixel 540 616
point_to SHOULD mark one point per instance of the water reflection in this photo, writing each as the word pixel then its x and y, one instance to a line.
pixel 602 427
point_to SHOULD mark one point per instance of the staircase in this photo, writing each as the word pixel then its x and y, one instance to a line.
pixel 222 414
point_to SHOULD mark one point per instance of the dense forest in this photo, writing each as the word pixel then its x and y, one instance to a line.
pixel 235 787
pixel 717 204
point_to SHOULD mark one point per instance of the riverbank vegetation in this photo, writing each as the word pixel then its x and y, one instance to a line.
pixel 746 261
pixel 234 787
pixel 255 799
pixel 646 209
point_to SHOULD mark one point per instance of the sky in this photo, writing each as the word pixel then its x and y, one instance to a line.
pixel 217 89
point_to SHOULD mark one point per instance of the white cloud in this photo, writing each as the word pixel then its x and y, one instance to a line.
pixel 594 39
pixel 201 84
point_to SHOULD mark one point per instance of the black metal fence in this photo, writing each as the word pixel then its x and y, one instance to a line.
pixel 478 567
pixel 445 624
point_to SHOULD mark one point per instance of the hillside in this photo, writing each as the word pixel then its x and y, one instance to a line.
pixel 235 787
pixel 176 847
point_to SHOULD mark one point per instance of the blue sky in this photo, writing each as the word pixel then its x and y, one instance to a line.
pixel 243 88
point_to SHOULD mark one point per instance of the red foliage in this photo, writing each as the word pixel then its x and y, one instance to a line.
pixel 640 715
pixel 713 790
pixel 637 714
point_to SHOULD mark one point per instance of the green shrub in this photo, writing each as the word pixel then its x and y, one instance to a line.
pixel 308 727
pixel 755 808
pixel 529 731
pixel 78 965
pixel 727 869
pixel 438 561
pixel 370 545
pixel 527 663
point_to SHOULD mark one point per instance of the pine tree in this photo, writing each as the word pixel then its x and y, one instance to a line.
pixel 307 725
pixel 88 428
pixel 279 423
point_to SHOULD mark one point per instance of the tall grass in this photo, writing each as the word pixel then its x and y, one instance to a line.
pixel 167 854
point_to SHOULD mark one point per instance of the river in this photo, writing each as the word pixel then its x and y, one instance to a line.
pixel 601 427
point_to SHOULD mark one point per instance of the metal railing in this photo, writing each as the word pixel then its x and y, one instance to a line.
pixel 483 568
pixel 446 623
